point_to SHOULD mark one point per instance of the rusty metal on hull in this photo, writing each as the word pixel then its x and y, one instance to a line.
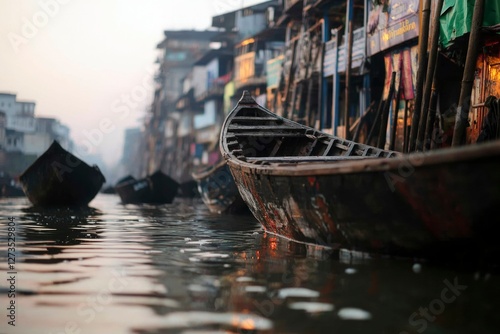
pixel 313 187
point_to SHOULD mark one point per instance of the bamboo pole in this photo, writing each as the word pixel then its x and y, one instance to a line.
pixel 319 110
pixel 405 128
pixel 288 84
pixel 385 114
pixel 429 79
pixel 462 116
pixel 375 123
pixel 395 118
pixel 429 132
pixel 361 121
pixel 348 57
pixel 423 40
pixel 431 112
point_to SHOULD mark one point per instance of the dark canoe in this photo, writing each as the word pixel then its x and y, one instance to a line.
pixel 188 189
pixel 108 190
pixel 9 187
pixel 9 190
pixel 157 188
pixel 58 178
pixel 316 188
pixel 218 190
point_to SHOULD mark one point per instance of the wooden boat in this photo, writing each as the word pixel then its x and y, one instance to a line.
pixel 10 187
pixel 108 190
pixel 157 188
pixel 218 190
pixel 11 190
pixel 188 189
pixel 316 188
pixel 58 178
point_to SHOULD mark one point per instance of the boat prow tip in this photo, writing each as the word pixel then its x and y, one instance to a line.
pixel 246 98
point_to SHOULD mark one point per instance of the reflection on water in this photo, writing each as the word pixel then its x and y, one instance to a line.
pixel 179 269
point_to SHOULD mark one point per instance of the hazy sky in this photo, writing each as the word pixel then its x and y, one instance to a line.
pixel 89 62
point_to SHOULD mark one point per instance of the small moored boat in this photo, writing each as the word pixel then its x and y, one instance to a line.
pixel 10 187
pixel 157 188
pixel 218 190
pixel 316 188
pixel 188 189
pixel 58 178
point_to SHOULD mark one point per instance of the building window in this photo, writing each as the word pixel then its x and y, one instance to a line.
pixel 176 56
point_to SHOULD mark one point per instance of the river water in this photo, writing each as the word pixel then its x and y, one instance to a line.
pixel 179 269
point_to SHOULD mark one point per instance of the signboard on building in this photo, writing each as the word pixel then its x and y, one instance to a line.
pixel 391 22
pixel 273 71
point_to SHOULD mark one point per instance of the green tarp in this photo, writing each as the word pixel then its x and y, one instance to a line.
pixel 456 18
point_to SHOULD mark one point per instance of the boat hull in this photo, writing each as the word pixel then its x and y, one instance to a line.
pixel 400 208
pixel 58 178
pixel 157 188
pixel 7 190
pixel 188 189
pixel 317 188
pixel 219 191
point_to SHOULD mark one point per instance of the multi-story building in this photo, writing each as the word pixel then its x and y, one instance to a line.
pixel 194 85
pixel 178 51
pixel 47 130
pixel 3 126
pixel 23 136
pixel 131 148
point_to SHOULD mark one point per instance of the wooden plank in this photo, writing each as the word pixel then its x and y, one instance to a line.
pixel 235 127
pixel 255 118
pixel 268 134
pixel 307 159
pixel 312 146
pixel 351 149
pixel 329 147
pixel 276 148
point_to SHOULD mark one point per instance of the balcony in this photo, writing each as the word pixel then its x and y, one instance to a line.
pixel 249 70
pixel 215 87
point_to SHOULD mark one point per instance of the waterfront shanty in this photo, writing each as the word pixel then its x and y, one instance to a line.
pixel 386 73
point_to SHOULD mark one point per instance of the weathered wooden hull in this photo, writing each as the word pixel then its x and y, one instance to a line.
pixel 219 191
pixel 433 203
pixel 157 188
pixel 58 178
pixel 384 210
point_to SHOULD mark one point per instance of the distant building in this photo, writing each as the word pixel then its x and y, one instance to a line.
pixel 8 103
pixel 3 137
pixel 23 136
pixel 131 147
pixel 46 131
pixel 194 85
pixel 14 140
pixel 178 51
